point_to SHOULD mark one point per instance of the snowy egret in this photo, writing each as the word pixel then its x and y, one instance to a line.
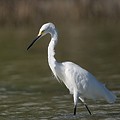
pixel 80 82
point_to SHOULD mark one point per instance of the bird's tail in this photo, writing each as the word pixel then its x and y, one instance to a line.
pixel 110 97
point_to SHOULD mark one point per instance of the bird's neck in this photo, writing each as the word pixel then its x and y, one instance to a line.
pixel 51 52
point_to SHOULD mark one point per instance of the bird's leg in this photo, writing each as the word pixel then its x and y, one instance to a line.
pixel 87 108
pixel 85 105
pixel 75 97
pixel 75 109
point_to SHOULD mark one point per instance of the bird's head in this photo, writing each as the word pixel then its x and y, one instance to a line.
pixel 46 28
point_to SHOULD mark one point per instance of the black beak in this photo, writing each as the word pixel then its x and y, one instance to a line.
pixel 33 42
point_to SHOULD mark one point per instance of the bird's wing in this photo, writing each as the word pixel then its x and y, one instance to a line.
pixel 85 83
pixel 80 79
pixel 75 77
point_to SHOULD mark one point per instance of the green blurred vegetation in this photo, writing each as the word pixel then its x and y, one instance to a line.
pixel 33 12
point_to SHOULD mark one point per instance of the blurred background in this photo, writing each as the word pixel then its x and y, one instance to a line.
pixel 89 35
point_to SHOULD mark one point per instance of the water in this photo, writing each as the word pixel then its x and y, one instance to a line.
pixel 28 90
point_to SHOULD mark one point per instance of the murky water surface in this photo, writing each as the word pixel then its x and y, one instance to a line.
pixel 28 90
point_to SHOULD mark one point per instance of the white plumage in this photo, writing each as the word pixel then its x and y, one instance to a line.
pixel 80 82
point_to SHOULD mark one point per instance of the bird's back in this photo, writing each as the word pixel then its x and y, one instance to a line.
pixel 75 77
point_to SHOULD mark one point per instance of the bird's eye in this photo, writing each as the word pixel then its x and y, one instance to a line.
pixel 42 32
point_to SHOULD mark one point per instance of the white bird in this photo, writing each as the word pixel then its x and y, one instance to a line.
pixel 80 82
